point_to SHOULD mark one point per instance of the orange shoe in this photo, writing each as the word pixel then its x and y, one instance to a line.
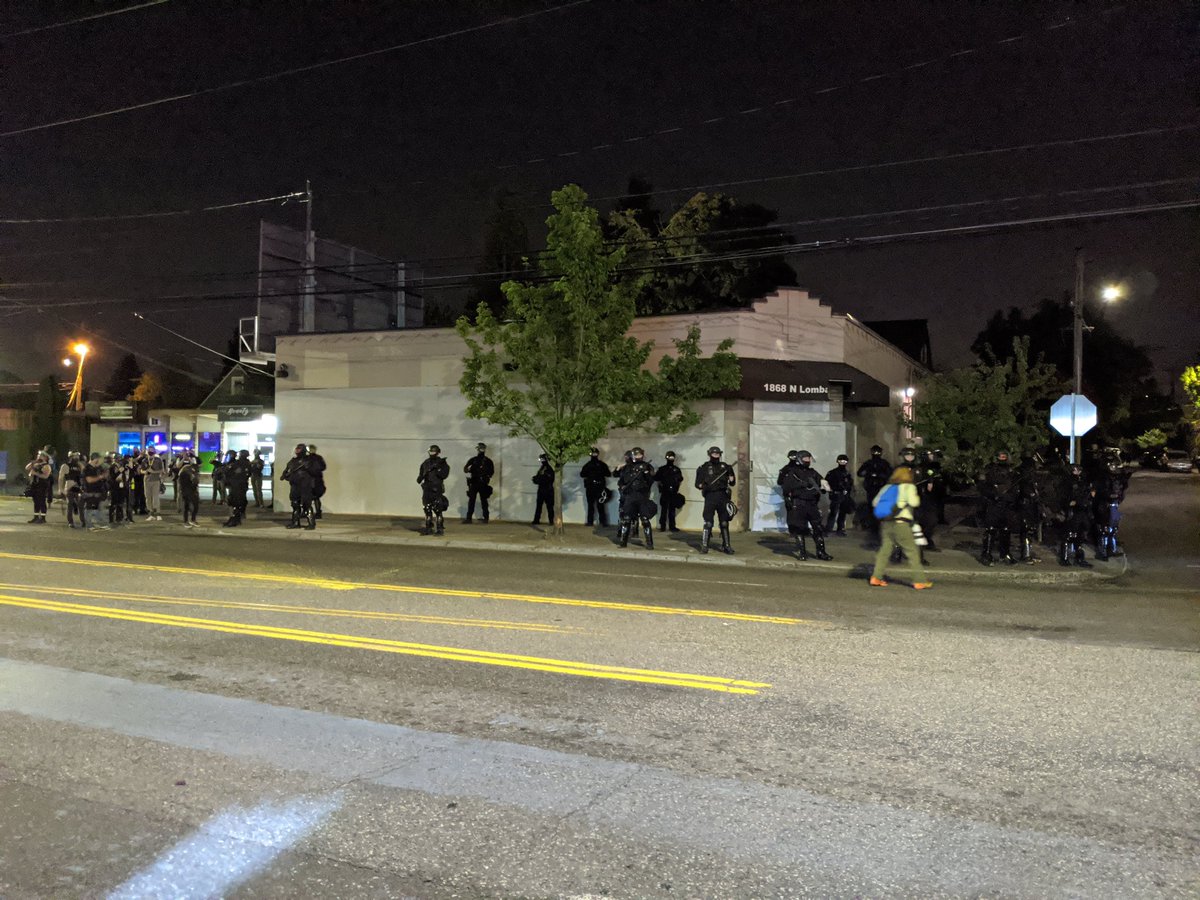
pixel 878 582
pixel 922 585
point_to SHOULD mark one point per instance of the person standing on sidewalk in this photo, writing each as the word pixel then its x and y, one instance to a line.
pixel 95 486
pixel 70 478
pixel 841 494
pixel 874 473
pixel 257 466
pixel 317 463
pixel 237 482
pixel 544 479
pixel 595 475
pixel 432 477
pixel 715 479
pixel 801 486
pixel 41 473
pixel 154 468
pixel 299 477
pixel 479 471
pixel 636 479
pixel 187 480
pixel 669 479
pixel 896 529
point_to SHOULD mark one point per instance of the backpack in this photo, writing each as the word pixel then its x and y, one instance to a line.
pixel 885 503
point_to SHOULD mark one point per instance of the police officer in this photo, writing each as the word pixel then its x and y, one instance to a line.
pixel 1078 496
pixel 41 472
pixel 801 485
pixel 118 488
pixel 715 479
pixel 874 473
pixel 998 488
pixel 299 475
pixel 318 469
pixel 1111 483
pixel 841 495
pixel 1029 506
pixel 636 480
pixel 544 479
pixel 595 474
pixel 70 478
pixel 432 477
pixel 926 476
pixel 218 480
pixel 257 466
pixel 187 482
pixel 95 487
pixel 628 460
pixel 480 471
pixel 237 482
pixel 937 478
pixel 670 479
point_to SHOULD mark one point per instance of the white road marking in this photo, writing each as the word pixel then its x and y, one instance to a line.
pixel 668 578
pixel 227 850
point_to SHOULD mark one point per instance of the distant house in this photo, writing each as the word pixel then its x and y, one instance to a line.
pixel 910 335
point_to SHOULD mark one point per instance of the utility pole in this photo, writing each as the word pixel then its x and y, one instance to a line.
pixel 308 303
pixel 1077 390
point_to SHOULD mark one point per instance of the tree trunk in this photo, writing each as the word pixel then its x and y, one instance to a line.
pixel 558 511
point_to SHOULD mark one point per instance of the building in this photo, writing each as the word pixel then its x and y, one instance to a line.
pixel 374 401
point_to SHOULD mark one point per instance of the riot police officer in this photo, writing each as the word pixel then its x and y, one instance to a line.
pixel 670 479
pixel 998 488
pixel 801 486
pixel 1078 496
pixel 595 474
pixel 544 479
pixel 937 480
pixel 1111 482
pixel 635 481
pixel 1029 506
pixel 714 480
pixel 257 466
pixel 187 482
pixel 298 474
pixel 432 477
pixel 480 471
pixel 237 482
pixel 874 473
pixel 841 495
pixel 317 462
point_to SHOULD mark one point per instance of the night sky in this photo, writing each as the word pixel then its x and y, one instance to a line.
pixel 407 149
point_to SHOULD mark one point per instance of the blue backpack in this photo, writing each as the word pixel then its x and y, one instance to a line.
pixel 885 503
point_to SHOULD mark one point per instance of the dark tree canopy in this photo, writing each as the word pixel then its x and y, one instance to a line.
pixel 124 378
pixel 505 253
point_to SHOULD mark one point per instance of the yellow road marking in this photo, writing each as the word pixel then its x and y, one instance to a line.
pixel 286 608
pixel 336 585
pixel 457 654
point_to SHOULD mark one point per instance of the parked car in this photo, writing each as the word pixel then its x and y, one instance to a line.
pixel 1178 461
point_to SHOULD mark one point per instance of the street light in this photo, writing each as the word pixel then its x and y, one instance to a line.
pixel 1109 293
pixel 1112 292
pixel 75 401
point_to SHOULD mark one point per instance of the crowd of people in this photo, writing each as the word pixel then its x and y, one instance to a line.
pixel 1015 502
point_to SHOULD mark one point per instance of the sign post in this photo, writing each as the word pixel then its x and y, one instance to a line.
pixel 1073 415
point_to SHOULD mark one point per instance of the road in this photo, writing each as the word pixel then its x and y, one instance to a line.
pixel 187 715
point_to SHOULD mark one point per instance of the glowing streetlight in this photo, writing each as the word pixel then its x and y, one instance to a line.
pixel 80 350
pixel 75 401
pixel 1112 292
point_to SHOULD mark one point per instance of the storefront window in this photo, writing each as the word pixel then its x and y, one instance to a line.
pixel 181 441
pixel 157 440
pixel 129 442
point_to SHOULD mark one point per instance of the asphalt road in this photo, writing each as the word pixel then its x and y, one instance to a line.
pixel 187 715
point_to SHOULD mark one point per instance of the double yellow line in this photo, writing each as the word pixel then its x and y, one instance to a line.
pixel 456 654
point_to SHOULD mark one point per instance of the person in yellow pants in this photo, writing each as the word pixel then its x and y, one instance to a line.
pixel 896 531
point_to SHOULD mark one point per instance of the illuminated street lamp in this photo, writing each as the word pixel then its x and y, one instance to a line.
pixel 1111 292
pixel 1108 294
pixel 75 401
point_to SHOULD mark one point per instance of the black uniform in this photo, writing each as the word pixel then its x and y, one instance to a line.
pixel 595 474
pixel 937 480
pixel 874 474
pixel 298 474
pixel 237 482
pixel 801 485
pixel 73 488
pixel 1077 496
pixel 187 482
pixel 1110 493
pixel 118 491
pixel 1029 508
pixel 998 488
pixel 635 481
pixel 257 465
pixel 841 498
pixel 670 480
pixel 714 480
pixel 480 471
pixel 318 469
pixel 926 476
pixel 544 479
pixel 432 477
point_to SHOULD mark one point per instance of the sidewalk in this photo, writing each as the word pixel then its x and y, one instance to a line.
pixel 758 549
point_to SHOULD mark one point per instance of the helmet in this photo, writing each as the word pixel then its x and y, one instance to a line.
pixel 312 448
pixel 909 451
pixel 714 451
pixel 670 454
pixel 843 458
pixel 481 447
pixel 434 448
pixel 804 453
pixel 303 447
pixel 151 450
pixel 793 454
pixel 1002 456
pixel 542 457
pixel 245 454
pixel 876 450
pixel 595 451
pixel 638 451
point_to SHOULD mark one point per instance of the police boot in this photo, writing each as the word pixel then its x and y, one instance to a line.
pixel 801 548
pixel 705 537
pixel 316 509
pixel 1102 545
pixel 312 520
pixel 441 525
pixel 1064 552
pixel 229 523
pixel 649 533
pixel 819 540
pixel 295 523
pixel 428 529
pixel 1113 550
pixel 726 547
pixel 1080 558
pixel 1006 547
pixel 985 554
pixel 1027 555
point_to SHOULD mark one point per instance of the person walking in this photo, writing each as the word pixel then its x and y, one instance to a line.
pixel 715 480
pixel 544 479
pixel 670 480
pixel 41 473
pixel 480 470
pixel 595 474
pixel 801 486
pixel 636 480
pixel 896 529
pixel 154 469
pixel 432 477
pixel 257 466
pixel 841 495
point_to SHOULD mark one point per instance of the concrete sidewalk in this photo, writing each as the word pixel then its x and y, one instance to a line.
pixel 956 559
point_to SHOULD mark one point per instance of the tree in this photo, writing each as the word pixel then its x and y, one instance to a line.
pixel 1116 372
pixel 124 378
pixel 561 369
pixel 47 415
pixel 712 252
pixel 1151 439
pixel 973 412
pixel 1190 379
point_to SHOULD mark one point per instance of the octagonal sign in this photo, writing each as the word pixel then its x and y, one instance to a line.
pixel 1073 415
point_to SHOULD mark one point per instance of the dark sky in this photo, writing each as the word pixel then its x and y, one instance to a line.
pixel 407 149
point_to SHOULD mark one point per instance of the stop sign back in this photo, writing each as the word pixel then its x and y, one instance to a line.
pixel 1073 415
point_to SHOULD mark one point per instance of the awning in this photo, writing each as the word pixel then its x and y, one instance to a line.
pixel 793 380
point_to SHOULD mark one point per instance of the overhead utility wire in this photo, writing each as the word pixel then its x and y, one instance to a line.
pixel 284 198
pixel 182 337
pixel 297 70
pixel 101 15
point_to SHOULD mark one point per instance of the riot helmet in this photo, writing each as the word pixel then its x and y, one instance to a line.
pixel 876 450
pixel 595 451
pixel 671 455
pixel 714 451
pixel 245 454
pixel 481 447
pixel 843 459
pixel 793 454
pixel 434 449
pixel 638 452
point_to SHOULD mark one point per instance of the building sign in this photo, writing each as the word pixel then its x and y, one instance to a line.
pixel 239 413
pixel 121 411
pixel 795 381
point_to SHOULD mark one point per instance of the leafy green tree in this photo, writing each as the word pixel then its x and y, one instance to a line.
pixel 712 252
pixel 1190 379
pixel 1155 437
pixel 561 368
pixel 973 412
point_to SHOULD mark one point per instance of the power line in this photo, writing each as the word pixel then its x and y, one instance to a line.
pixel 182 337
pixel 284 198
pixel 102 15
pixel 297 70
